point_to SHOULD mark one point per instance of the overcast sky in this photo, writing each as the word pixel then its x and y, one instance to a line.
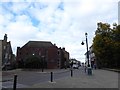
pixel 63 22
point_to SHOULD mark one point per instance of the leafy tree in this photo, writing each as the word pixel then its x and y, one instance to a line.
pixel 33 62
pixel 116 45
pixel 106 44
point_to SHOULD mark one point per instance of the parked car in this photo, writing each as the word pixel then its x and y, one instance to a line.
pixel 75 66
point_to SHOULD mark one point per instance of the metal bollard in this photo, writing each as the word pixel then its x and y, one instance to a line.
pixel 85 69
pixel 71 72
pixel 89 71
pixel 51 76
pixel 15 82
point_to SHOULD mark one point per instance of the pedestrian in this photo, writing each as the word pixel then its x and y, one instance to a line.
pixel 71 64
pixel 85 68
pixel 94 66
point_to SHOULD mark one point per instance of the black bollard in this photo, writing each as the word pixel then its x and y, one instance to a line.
pixel 42 70
pixel 71 72
pixel 15 82
pixel 51 76
pixel 85 69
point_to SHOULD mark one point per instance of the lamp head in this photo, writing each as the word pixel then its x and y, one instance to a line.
pixel 82 43
pixel 86 34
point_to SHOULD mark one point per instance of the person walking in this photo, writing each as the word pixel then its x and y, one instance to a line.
pixel 94 66
pixel 85 68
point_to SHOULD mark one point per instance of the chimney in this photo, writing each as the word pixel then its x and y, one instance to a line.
pixel 54 44
pixel 63 48
pixel 5 37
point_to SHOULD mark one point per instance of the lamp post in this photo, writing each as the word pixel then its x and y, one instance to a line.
pixel 87 49
pixel 88 67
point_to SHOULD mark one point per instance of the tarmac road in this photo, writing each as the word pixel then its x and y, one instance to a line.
pixel 62 79
pixel 28 78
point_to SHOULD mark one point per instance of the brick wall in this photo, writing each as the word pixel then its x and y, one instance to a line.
pixel 52 61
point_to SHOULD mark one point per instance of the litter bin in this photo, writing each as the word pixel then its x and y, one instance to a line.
pixel 89 71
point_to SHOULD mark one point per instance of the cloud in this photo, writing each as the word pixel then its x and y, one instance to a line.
pixel 63 22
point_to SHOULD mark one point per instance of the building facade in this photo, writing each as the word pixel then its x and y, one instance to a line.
pixel 86 59
pixel 92 59
pixel 51 55
pixel 63 58
pixel 6 54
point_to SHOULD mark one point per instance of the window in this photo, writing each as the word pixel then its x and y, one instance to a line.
pixel 9 56
pixel 6 55
pixel 4 47
pixel 58 52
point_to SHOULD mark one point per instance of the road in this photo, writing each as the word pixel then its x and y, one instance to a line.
pixel 28 78
pixel 62 78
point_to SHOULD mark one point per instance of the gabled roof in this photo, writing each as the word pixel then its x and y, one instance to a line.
pixel 38 44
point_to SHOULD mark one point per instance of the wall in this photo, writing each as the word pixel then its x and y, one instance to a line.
pixel 52 62
pixel 50 55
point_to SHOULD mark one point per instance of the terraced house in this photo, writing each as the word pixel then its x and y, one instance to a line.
pixel 6 54
pixel 49 55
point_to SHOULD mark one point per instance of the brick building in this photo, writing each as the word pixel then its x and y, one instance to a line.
pixel 6 54
pixel 63 58
pixel 52 56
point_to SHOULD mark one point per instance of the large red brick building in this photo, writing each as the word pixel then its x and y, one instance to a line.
pixel 52 56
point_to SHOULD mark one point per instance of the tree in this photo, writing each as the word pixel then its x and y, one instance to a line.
pixel 105 45
pixel 33 62
pixel 116 41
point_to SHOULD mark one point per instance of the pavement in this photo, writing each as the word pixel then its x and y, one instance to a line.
pixel 114 70
pixel 98 79
pixel 80 79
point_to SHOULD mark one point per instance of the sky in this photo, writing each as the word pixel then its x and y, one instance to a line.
pixel 63 22
pixel 119 13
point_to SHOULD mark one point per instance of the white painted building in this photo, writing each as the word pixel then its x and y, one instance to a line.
pixel 86 59
pixel 92 59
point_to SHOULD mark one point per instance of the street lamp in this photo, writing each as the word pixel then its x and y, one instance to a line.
pixel 87 49
pixel 89 68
